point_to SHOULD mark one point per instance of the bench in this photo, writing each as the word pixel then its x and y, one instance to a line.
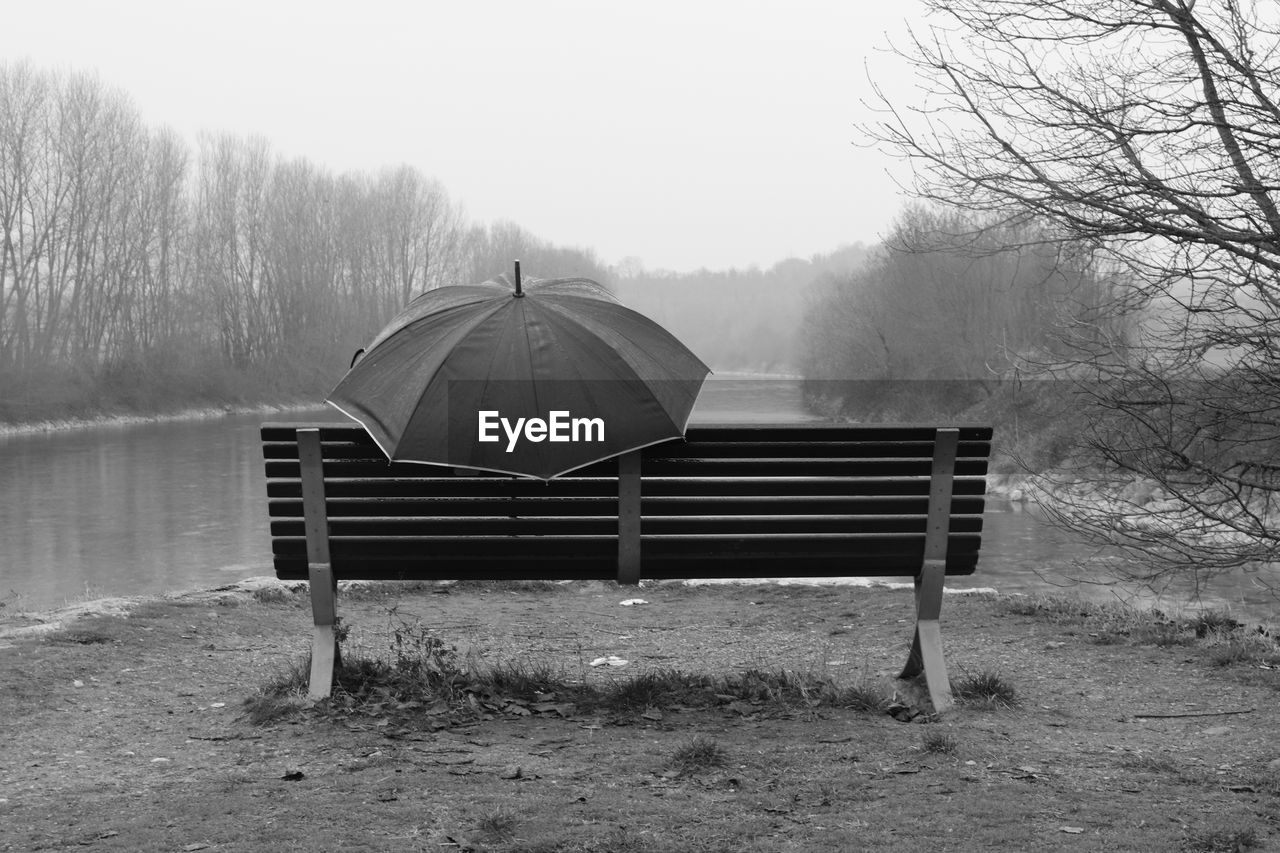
pixel 731 501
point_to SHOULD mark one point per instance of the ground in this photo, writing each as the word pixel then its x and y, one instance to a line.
pixel 130 732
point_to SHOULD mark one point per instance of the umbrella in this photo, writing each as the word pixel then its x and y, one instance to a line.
pixel 534 377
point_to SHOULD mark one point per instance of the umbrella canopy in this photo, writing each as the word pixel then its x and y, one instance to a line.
pixel 534 377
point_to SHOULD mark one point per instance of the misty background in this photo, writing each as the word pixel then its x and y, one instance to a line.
pixel 143 273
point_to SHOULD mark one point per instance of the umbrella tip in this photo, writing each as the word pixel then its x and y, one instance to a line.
pixel 519 292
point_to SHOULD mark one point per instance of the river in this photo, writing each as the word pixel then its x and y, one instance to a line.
pixel 135 509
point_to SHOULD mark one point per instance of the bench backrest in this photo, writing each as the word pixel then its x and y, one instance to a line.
pixel 805 500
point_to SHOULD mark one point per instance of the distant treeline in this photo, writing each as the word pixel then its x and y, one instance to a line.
pixel 948 309
pixel 737 319
pixel 136 272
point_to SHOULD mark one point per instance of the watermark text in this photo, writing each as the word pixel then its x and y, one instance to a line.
pixel 559 427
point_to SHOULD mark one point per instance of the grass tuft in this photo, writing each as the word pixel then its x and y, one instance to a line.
pixel 1243 648
pixel 1208 622
pixel 698 754
pixel 939 742
pixel 986 689
pixel 863 697
pixel 496 827
pixel 281 697
pixel 657 688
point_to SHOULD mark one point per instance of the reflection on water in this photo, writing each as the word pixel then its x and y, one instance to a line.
pixel 131 509
pixel 127 510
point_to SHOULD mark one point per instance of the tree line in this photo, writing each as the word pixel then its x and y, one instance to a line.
pixel 946 309
pixel 124 251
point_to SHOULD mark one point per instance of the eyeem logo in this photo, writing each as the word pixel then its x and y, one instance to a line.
pixel 559 428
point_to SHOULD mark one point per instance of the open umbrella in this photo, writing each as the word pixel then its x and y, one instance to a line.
pixel 534 377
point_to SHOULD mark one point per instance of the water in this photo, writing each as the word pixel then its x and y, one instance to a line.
pixel 153 508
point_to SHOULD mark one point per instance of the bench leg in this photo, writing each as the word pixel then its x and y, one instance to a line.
pixel 324 642
pixel 926 645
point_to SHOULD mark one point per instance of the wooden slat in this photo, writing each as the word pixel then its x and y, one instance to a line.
pixel 604 526
pixel 605 567
pixel 797 467
pixel 347 431
pixel 653 487
pixel 744 505
pixel 348 451
pixel 518 547
pixel 829 432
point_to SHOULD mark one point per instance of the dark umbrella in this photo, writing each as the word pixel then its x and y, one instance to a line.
pixel 534 378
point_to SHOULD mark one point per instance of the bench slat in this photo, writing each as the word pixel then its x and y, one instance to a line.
pixel 691 467
pixel 667 487
pixel 780 544
pixel 602 567
pixel 746 505
pixel 604 526
pixel 369 452
pixel 813 432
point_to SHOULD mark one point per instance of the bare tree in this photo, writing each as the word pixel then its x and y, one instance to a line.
pixel 25 104
pixel 1145 132
pixel 229 220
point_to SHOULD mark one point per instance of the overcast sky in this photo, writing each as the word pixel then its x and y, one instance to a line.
pixel 686 133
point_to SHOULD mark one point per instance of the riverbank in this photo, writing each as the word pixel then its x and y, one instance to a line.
pixel 189 414
pixel 130 730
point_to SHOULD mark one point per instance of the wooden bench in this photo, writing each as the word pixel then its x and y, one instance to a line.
pixel 734 501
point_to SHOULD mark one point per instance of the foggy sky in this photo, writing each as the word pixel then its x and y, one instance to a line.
pixel 685 134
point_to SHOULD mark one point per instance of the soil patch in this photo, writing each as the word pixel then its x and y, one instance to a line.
pixel 129 732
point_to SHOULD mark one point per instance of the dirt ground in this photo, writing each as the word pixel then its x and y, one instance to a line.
pixel 127 731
